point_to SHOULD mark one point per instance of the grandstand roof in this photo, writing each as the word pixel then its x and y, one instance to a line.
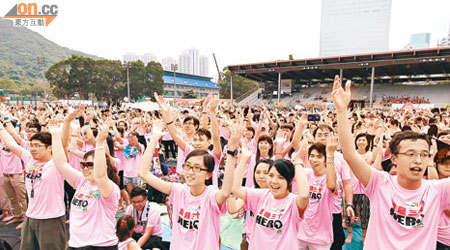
pixel 189 80
pixel 392 63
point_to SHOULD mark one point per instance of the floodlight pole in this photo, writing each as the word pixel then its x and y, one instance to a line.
pixel 372 79
pixel 231 88
pixel 279 86
pixel 128 80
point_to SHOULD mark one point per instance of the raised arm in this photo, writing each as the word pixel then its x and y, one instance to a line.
pixel 147 161
pixel 236 134
pixel 67 127
pixel 332 143
pixel 341 99
pixel 10 142
pixel 105 185
pixel 302 188
pixel 59 156
pixel 167 117
pixel 238 190
pixel 215 133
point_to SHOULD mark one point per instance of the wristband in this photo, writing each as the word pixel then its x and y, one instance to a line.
pixel 168 123
pixel 6 118
pixel 86 124
pixel 101 147
pixel 17 125
pixel 350 205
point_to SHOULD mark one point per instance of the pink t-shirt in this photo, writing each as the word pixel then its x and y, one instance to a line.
pixel 443 234
pixel 118 153
pixel 153 220
pixel 124 244
pixel 195 219
pixel 401 218
pixel 92 217
pixel 131 164
pixel 276 220
pixel 10 162
pixel 316 226
pixel 45 188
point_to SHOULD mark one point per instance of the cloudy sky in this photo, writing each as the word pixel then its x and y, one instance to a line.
pixel 238 31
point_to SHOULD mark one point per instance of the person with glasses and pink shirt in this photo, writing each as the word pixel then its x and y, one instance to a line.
pixel 95 203
pixel 196 207
pixel 405 209
pixel 148 230
pixel 44 224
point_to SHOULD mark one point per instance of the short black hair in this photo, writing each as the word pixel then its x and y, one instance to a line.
pixel 286 169
pixel 44 137
pixel 138 191
pixel 406 135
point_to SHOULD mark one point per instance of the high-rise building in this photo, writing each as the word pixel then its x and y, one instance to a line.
pixel 167 63
pixel 148 57
pixel 445 41
pixel 129 57
pixel 189 62
pixel 203 66
pixel 354 26
pixel 420 41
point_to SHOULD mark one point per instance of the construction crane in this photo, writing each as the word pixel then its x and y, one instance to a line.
pixel 221 76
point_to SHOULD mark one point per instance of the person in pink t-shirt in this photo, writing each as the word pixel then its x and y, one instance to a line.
pixel 404 208
pixel 94 206
pixel 124 230
pixel 316 229
pixel 442 161
pixel 278 212
pixel 148 230
pixel 234 204
pixel 45 190
pixel 196 207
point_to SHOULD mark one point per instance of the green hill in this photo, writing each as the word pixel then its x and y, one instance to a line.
pixel 20 49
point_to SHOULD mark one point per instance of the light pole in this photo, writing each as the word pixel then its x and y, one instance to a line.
pixel 174 68
pixel 128 80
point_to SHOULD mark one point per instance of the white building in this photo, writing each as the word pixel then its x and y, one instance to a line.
pixel 130 57
pixel 354 27
pixel 167 63
pixel 204 66
pixel 189 62
pixel 148 57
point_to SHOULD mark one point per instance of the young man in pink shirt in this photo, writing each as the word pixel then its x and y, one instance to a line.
pixel 44 225
pixel 405 209
pixel 147 231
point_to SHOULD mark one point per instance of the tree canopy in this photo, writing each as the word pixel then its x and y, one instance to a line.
pixel 241 85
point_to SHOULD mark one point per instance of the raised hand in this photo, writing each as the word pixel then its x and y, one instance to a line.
pixel 332 143
pixel 158 129
pixel 164 107
pixel 341 98
pixel 237 130
pixel 213 104
pixel 102 132
pixel 54 127
pixel 75 113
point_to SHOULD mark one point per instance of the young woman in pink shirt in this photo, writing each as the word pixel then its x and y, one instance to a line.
pixel 196 207
pixel 278 212
pixel 442 160
pixel 94 206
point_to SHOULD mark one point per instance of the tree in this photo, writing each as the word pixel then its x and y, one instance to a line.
pixel 241 85
pixel 154 81
pixel 8 84
pixel 189 94
pixel 291 57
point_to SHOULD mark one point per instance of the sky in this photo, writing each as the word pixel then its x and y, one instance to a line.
pixel 237 31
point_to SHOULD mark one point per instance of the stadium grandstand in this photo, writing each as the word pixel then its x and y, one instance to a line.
pixel 180 82
pixel 380 79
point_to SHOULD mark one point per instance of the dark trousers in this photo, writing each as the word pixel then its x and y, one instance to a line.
pixel 141 140
pixel 440 246
pixel 152 242
pixel 338 232
pixel 169 147
pixel 69 193
pixel 43 234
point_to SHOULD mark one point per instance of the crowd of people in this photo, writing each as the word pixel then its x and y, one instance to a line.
pixel 389 100
pixel 297 183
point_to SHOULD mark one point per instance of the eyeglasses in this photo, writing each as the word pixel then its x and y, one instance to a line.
pixel 36 145
pixel 89 165
pixel 195 169
pixel 138 202
pixel 423 155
